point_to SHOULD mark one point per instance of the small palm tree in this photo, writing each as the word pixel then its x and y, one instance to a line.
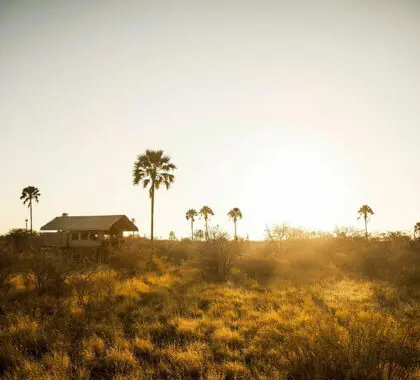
pixel 365 212
pixel 235 214
pixel 416 229
pixel 190 215
pixel 153 169
pixel 205 213
pixel 30 194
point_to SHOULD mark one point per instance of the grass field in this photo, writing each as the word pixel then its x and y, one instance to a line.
pixel 310 310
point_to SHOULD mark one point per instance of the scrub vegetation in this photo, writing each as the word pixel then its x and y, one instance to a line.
pixel 296 306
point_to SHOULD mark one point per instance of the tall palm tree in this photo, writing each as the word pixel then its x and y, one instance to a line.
pixel 205 213
pixel 416 229
pixel 235 214
pixel 30 194
pixel 365 212
pixel 190 215
pixel 153 169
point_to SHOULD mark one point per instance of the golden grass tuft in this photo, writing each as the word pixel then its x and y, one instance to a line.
pixel 190 361
pixel 231 338
pixel 235 370
pixel 143 349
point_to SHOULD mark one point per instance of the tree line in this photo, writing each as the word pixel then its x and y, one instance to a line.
pixel 153 169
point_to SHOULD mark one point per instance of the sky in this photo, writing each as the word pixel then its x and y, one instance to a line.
pixel 294 111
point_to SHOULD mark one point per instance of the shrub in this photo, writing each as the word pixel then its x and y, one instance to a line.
pixel 219 254
pixel 81 282
pixel 130 259
pixel 182 252
pixel 7 261
pixel 258 267
pixel 409 279
pixel 19 238
pixel 157 265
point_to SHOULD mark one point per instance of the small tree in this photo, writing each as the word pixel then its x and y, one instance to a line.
pixel 235 214
pixel 218 254
pixel 199 234
pixel 416 230
pixel 190 215
pixel 30 194
pixel 205 213
pixel 365 212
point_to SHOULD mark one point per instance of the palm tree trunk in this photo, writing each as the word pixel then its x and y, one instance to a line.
pixel 236 235
pixel 30 211
pixel 152 217
pixel 366 231
pixel 192 229
pixel 207 232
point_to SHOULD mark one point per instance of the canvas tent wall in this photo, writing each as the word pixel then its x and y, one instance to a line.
pixel 85 230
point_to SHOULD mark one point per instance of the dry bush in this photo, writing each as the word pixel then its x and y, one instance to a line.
pixel 18 238
pixel 130 259
pixel 262 268
pixel 38 271
pixel 218 254
pixel 173 325
pixel 45 270
pixel 7 265
pixel 81 281
pixel 156 264
pixel 181 252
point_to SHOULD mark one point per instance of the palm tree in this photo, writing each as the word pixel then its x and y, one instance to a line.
pixel 190 215
pixel 235 214
pixel 205 213
pixel 416 229
pixel 30 194
pixel 365 211
pixel 153 169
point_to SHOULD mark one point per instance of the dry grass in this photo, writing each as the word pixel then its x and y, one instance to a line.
pixel 177 326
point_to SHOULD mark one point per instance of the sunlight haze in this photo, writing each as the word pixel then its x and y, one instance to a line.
pixel 291 111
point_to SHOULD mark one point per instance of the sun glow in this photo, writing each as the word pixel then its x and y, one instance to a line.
pixel 303 188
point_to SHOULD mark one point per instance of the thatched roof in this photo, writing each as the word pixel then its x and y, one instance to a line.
pixel 114 223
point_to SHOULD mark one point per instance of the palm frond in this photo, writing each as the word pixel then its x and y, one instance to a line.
pixel 191 214
pixel 30 193
pixel 146 182
pixel 154 166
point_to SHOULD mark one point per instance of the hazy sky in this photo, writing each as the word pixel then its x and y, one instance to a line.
pixel 293 111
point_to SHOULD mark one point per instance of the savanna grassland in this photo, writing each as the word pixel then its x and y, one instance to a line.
pixel 319 307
